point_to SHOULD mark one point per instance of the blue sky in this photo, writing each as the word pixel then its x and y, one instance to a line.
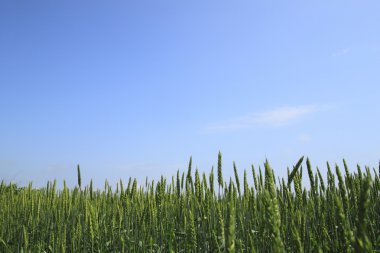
pixel 133 88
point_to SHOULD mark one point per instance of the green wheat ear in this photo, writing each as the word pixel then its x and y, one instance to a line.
pixel 295 170
pixel 220 174
pixel 231 223
pixel 79 177
pixel 237 178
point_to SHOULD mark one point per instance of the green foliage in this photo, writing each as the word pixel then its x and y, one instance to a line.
pixel 188 215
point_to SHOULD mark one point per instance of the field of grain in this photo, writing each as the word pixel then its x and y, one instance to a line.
pixel 191 212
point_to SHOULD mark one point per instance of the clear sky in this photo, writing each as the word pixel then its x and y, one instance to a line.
pixel 133 88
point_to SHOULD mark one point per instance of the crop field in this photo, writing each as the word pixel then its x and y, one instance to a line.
pixel 193 212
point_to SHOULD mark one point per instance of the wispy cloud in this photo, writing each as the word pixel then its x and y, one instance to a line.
pixel 283 115
pixel 273 118
pixel 304 138
pixel 341 52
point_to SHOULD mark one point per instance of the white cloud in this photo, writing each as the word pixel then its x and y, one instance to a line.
pixel 273 118
pixel 304 137
pixel 341 52
pixel 283 115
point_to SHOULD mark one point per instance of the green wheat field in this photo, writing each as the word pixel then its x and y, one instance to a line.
pixel 193 212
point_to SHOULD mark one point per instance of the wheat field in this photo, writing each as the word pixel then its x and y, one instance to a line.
pixel 193 212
